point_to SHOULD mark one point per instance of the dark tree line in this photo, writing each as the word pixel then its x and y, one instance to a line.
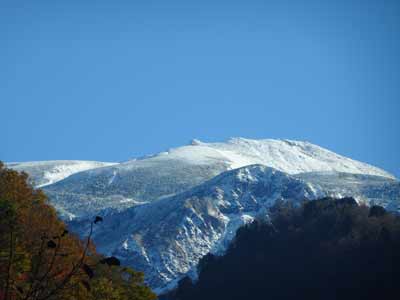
pixel 325 249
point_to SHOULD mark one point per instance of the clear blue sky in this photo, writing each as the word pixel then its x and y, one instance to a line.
pixel 111 80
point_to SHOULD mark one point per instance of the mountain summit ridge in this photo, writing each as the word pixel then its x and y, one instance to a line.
pixel 290 156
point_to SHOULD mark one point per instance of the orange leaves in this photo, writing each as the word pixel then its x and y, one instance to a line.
pixel 41 260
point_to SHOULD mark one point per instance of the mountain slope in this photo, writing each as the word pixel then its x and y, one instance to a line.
pixel 166 238
pixel 289 156
pixel 368 189
pixel 174 171
pixel 44 173
pixel 325 249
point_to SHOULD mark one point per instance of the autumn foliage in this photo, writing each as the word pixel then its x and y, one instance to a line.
pixel 40 259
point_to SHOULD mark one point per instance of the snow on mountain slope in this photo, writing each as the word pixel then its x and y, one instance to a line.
pixel 130 183
pixel 166 238
pixel 292 157
pixel 368 189
pixel 179 169
pixel 44 173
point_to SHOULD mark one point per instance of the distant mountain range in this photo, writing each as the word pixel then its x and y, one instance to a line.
pixel 44 173
pixel 164 212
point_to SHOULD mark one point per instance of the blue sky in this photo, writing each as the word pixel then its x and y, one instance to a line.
pixel 111 80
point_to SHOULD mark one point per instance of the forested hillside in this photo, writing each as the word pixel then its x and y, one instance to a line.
pixel 325 249
pixel 41 260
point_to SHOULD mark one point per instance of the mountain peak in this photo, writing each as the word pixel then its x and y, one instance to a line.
pixel 195 142
pixel 286 155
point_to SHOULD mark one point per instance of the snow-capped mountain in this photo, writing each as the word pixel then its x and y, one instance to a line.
pixel 367 189
pixel 171 172
pixel 289 156
pixel 166 238
pixel 44 173
pixel 164 212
